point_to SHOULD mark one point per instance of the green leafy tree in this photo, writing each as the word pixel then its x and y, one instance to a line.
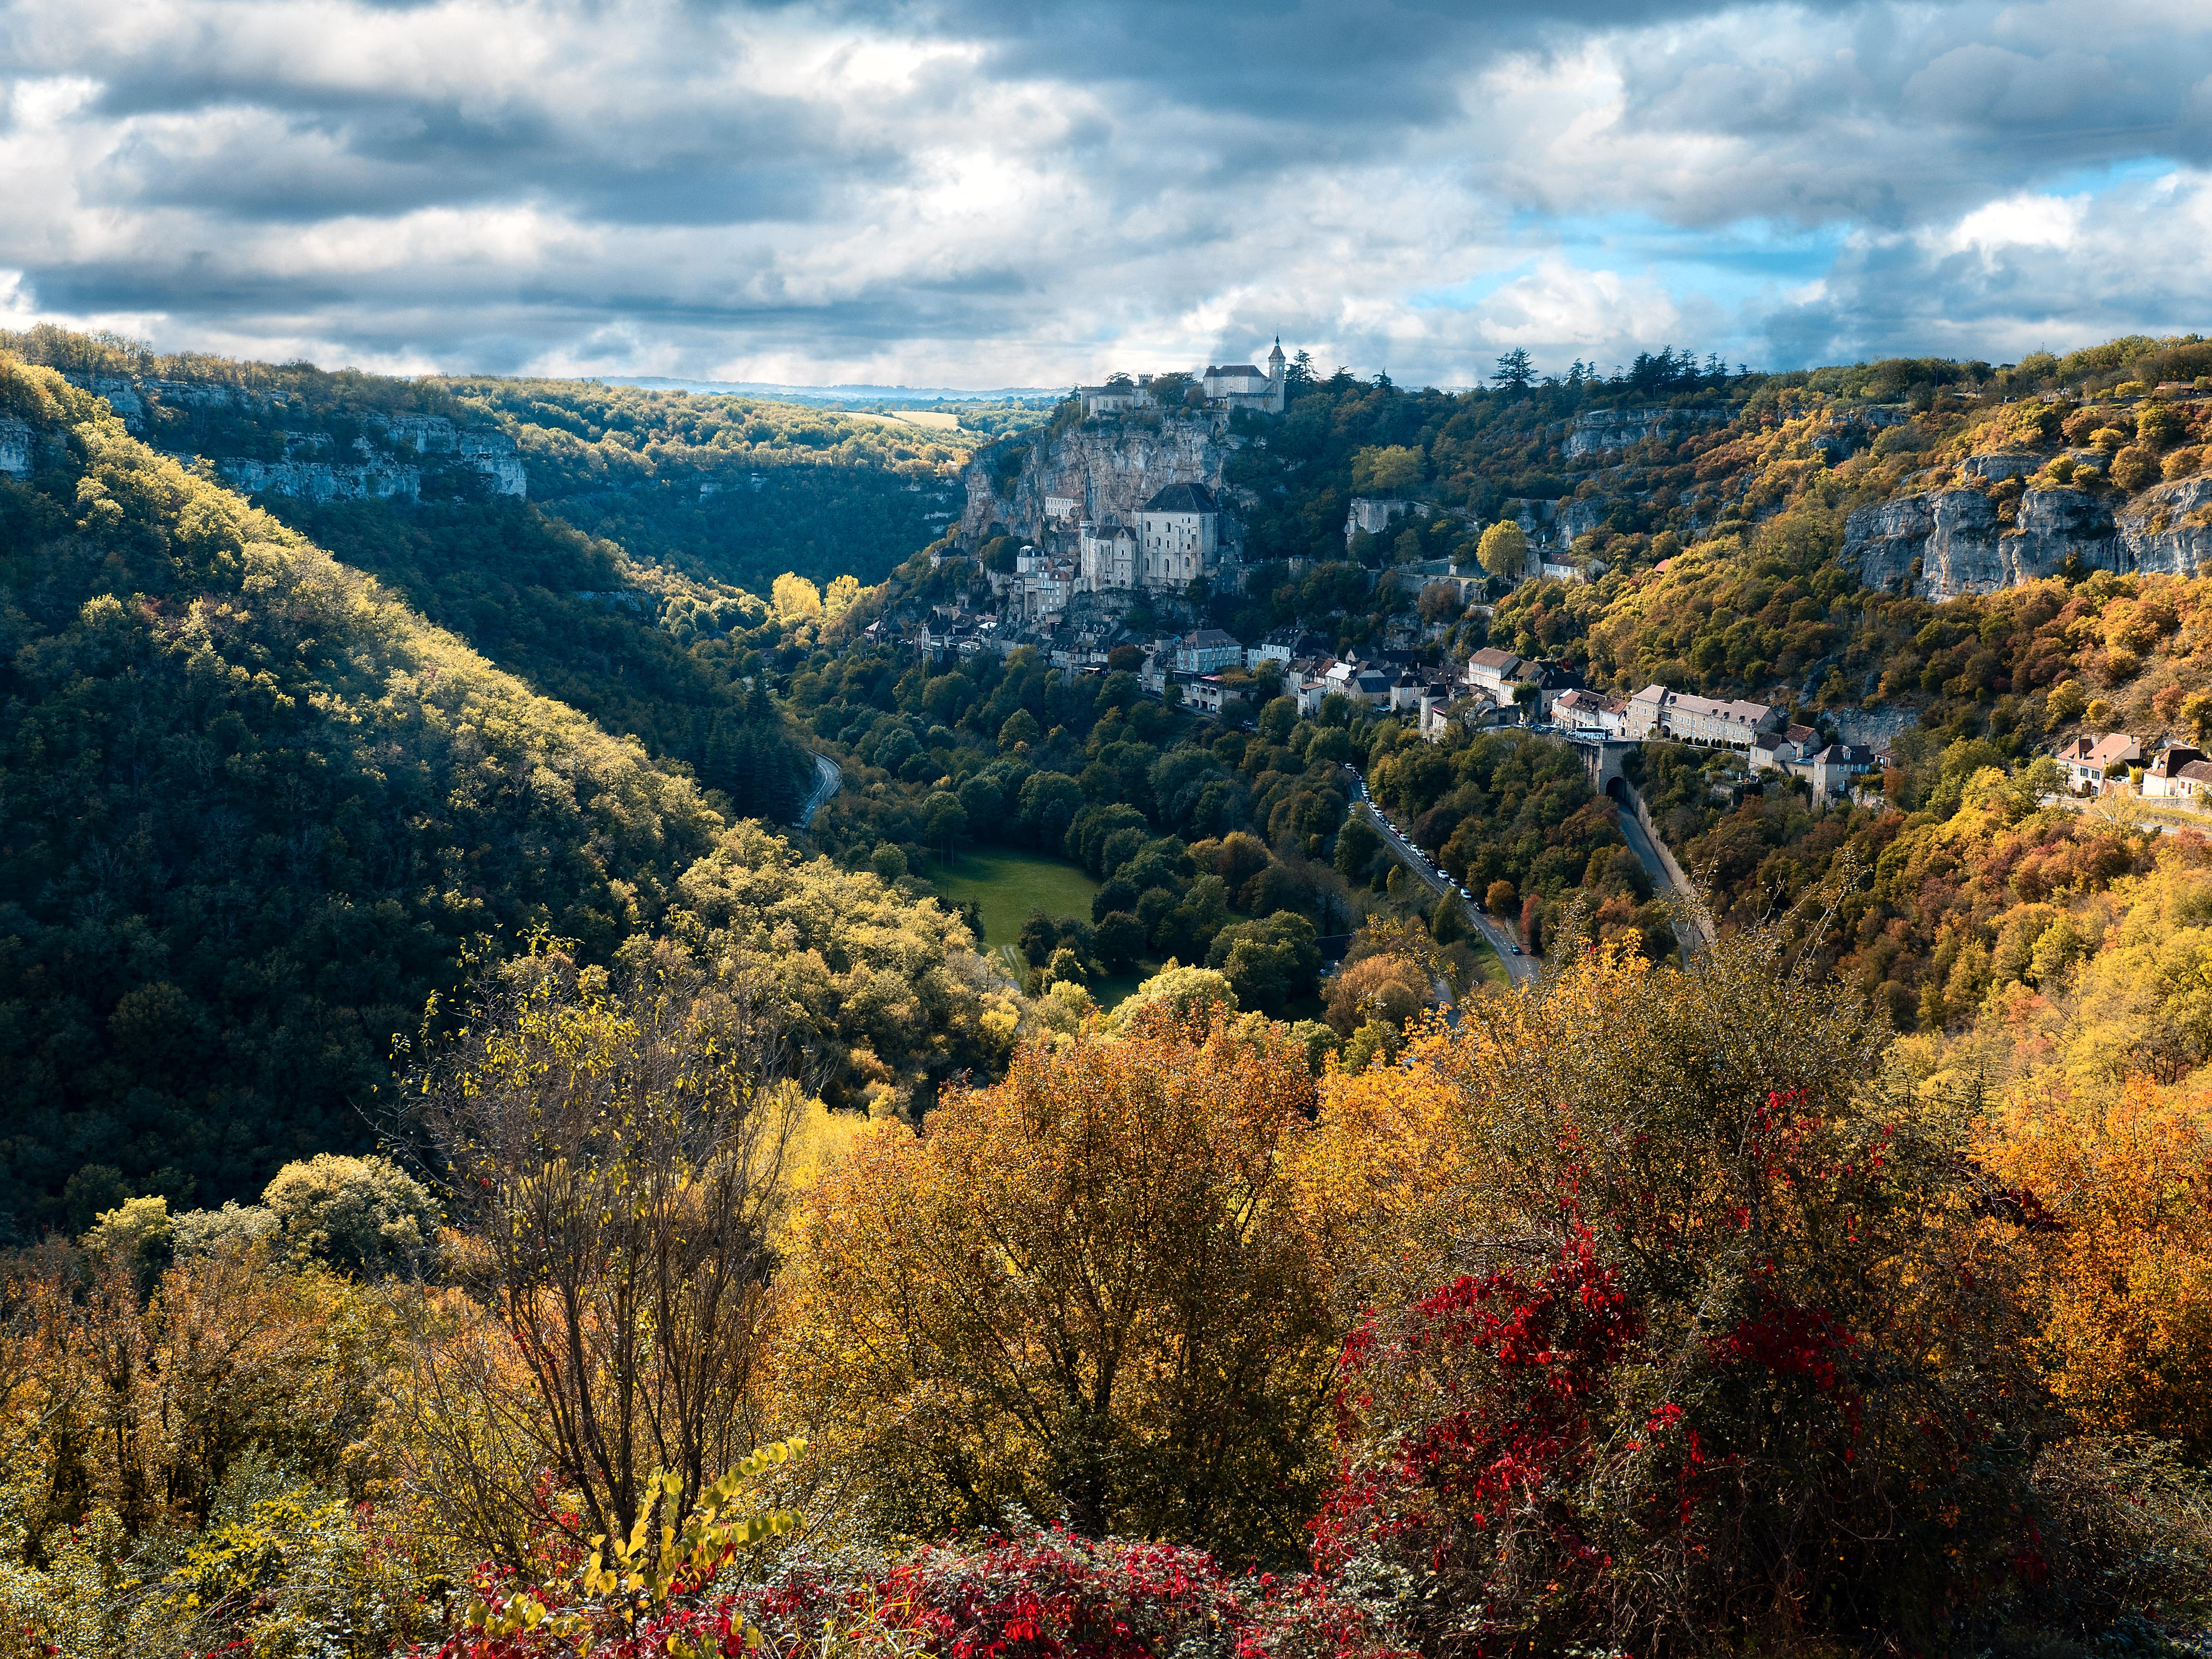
pixel 1514 370
pixel 1388 470
pixel 365 1216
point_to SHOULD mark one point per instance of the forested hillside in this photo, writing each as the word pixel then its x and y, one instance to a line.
pixel 257 809
pixel 729 491
pixel 254 809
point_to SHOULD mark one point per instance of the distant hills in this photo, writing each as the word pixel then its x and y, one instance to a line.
pixel 833 394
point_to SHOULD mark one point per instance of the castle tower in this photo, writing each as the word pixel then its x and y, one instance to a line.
pixel 1278 376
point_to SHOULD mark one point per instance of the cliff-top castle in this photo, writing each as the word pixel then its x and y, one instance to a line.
pixel 1114 505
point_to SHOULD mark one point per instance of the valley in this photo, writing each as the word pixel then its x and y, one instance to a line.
pixel 798 928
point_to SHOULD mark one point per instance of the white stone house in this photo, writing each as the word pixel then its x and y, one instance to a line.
pixel 1782 751
pixel 1834 769
pixel 1492 669
pixel 1208 651
pixel 2180 773
pixel 1107 555
pixel 1178 536
pixel 2082 762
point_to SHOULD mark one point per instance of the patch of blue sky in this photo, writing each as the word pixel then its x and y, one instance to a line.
pixel 2097 180
pixel 1730 264
pixel 1468 294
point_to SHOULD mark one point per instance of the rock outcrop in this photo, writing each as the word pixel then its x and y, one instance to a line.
pixel 1996 469
pixel 1109 467
pixel 1602 431
pixel 14 446
pixel 1949 542
pixel 385 468
pixel 2169 528
pixel 490 451
pixel 323 481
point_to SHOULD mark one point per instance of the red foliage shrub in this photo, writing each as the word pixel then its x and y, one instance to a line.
pixel 1040 1595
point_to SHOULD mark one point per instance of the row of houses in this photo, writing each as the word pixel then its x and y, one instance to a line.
pixel 2109 765
pixel 1760 731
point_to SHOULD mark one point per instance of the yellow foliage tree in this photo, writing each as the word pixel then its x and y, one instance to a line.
pixel 1504 549
pixel 2119 1204
pixel 794 598
pixel 1084 1290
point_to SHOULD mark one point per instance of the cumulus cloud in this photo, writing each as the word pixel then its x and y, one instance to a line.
pixel 982 193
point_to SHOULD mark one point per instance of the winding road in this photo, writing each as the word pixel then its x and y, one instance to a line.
pixel 1519 968
pixel 829 778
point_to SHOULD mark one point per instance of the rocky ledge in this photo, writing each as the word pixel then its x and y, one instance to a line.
pixel 1949 542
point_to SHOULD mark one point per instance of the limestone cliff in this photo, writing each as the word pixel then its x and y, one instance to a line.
pixel 1949 542
pixel 1602 431
pixel 384 453
pixel 1109 467
pixel 323 481
pixel 14 446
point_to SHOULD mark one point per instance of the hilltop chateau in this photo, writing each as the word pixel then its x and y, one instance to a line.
pixel 1132 498
pixel 1223 386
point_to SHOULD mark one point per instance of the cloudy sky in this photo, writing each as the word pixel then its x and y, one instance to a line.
pixel 995 192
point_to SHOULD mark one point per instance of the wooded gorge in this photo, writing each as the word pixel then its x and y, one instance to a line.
pixel 485 1184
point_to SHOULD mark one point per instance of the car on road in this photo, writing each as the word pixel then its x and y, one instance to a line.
pixel 1517 950
pixel 1469 896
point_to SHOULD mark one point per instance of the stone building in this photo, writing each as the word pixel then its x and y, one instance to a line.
pixel 1107 556
pixel 1656 712
pixel 1178 536
pixel 1240 386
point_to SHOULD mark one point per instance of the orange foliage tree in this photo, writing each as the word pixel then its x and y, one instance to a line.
pixel 2119 1206
pixel 1083 1290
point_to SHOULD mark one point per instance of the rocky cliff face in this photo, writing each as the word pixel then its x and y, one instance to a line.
pixel 382 464
pixel 14 446
pixel 1109 467
pixel 1948 541
pixel 323 481
pixel 1604 429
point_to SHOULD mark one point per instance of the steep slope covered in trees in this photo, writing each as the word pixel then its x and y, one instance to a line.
pixel 253 809
pixel 729 489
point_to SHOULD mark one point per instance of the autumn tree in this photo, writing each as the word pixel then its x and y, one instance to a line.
pixel 1387 469
pixel 794 598
pixel 2114 1195
pixel 1082 1291
pixel 1504 550
pixel 613 1144
pixel 1653 1361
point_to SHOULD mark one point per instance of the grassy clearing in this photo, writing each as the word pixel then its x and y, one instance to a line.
pixel 1006 886
pixel 1488 964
